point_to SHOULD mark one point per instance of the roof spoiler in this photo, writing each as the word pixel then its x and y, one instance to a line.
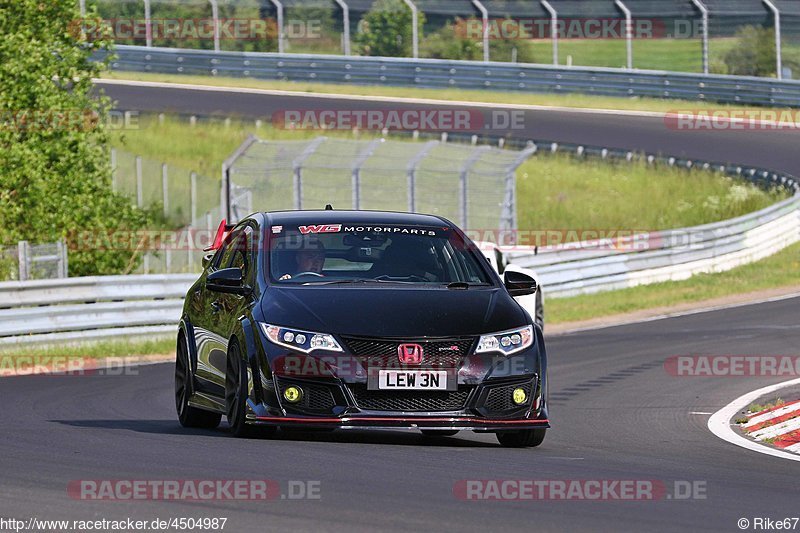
pixel 222 232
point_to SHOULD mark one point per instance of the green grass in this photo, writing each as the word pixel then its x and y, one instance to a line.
pixel 682 55
pixel 462 95
pixel 554 192
pixel 559 193
pixel 758 407
pixel 24 355
pixel 779 270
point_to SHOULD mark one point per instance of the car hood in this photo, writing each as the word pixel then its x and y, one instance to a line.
pixel 393 312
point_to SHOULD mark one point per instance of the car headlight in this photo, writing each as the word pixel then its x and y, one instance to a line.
pixel 506 342
pixel 302 341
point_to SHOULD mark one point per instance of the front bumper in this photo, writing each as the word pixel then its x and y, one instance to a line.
pixel 472 423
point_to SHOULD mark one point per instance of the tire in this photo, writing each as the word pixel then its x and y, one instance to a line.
pixel 525 438
pixel 189 417
pixel 439 432
pixel 236 397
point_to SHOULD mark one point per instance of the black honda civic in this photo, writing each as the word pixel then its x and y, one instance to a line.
pixel 359 320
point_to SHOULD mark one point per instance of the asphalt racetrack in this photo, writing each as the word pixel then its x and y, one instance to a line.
pixel 617 413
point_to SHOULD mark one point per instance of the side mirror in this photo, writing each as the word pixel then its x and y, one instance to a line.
pixel 227 280
pixel 519 283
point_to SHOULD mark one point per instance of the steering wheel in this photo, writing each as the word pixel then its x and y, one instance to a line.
pixel 309 274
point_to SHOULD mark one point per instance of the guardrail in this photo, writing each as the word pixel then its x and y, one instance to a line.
pixel 91 308
pixel 436 73
pixel 602 265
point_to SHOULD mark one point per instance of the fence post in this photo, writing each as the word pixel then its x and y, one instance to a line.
pixel 356 170
pixel 346 22
pixel 65 260
pixel 165 188
pixel 139 189
pixel 279 8
pixel 411 172
pixel 193 197
pixel 704 12
pixel 463 189
pixel 778 45
pixel 414 28
pixel 148 25
pixel 23 260
pixel 215 17
pixel 485 19
pixel 553 28
pixel 628 31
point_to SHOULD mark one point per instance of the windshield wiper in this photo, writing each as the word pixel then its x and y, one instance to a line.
pixel 352 281
pixel 461 285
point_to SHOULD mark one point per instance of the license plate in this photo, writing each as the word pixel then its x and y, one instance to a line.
pixel 412 380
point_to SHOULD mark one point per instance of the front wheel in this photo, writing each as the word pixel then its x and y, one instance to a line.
pixel 236 393
pixel 524 438
pixel 189 417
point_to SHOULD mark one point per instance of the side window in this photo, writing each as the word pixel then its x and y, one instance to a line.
pixel 223 257
pixel 241 254
pixel 501 266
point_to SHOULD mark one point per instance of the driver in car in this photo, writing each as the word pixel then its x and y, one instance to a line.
pixel 310 260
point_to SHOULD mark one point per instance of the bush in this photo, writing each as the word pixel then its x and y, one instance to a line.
pixel 55 176
pixel 386 30
pixel 452 41
pixel 754 53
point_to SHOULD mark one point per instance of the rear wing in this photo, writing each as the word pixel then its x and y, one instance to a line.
pixel 222 233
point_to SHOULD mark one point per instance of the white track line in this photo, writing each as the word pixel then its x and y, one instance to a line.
pixel 719 423
pixel 795 448
pixel 785 410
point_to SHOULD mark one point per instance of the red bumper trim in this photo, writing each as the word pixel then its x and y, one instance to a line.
pixel 402 420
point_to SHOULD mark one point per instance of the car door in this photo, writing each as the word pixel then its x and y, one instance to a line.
pixel 227 308
pixel 211 347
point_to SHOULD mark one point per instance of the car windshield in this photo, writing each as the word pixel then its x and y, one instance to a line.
pixel 334 254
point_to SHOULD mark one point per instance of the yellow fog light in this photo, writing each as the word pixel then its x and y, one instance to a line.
pixel 519 396
pixel 293 394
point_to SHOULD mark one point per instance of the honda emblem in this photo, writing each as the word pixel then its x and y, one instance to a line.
pixel 410 354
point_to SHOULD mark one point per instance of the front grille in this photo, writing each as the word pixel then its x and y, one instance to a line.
pixel 383 400
pixel 500 398
pixel 382 353
pixel 316 398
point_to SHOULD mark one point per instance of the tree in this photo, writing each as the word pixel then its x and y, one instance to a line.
pixel 386 30
pixel 55 176
pixel 754 53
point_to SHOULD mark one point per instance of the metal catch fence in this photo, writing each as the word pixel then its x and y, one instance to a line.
pixel 474 186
